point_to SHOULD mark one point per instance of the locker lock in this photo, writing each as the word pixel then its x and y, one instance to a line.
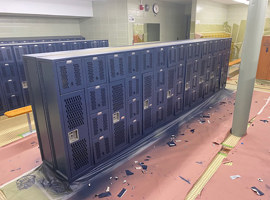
pixel 73 136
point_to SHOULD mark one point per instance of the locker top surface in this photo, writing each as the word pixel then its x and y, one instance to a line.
pixel 111 50
pixel 50 42
pixel 40 38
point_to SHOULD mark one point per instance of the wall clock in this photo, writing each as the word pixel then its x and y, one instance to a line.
pixel 155 8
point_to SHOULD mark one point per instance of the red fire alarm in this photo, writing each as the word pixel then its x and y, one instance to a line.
pixel 141 7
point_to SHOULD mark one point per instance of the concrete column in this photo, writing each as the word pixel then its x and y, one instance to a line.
pixel 248 67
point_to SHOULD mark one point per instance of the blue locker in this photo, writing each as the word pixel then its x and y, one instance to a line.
pixel 118 114
pixel 70 75
pixel 21 71
pixel 86 44
pixel 6 54
pixel 160 114
pixel 102 147
pixel 170 92
pixel 134 63
pixel 134 118
pixel 63 46
pixel 161 57
pixel 160 78
pixel 74 45
pixel 180 87
pixel 133 87
pixel 148 60
pixel 117 66
pixel 94 44
pixel 19 51
pixel 99 124
pixel 97 98
pixel 181 53
pixel 76 131
pixel 197 50
pixel 190 51
pixel 26 96
pixel 179 104
pixel 36 48
pixel 14 101
pixel 148 101
pixel 95 70
pixel 3 105
pixel 11 86
pixel 50 47
pixel 188 84
pixel 8 70
pixel 205 49
pixel 172 56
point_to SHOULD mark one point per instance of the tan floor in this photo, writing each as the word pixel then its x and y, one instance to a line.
pixel 13 129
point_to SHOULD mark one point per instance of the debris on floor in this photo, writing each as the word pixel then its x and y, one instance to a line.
pixel 122 192
pixel 185 179
pixel 257 191
pixel 104 194
pixel 138 167
pixel 116 178
pixel 206 116
pixel 129 173
pixel 260 180
pixel 235 177
pixel 200 163
pixel 202 121
pixel 192 130
pixel 171 143
pixel 264 120
pixel 108 189
pixel 26 182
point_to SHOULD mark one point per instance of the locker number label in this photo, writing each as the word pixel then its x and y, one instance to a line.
pixel 73 136
pixel 116 117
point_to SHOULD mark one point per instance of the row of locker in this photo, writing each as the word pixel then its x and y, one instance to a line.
pixel 13 85
pixel 99 103
pixel 39 39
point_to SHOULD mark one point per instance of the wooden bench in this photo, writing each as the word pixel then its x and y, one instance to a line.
pixel 20 111
pixel 234 62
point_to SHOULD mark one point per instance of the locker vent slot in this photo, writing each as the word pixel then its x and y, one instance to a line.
pixel 93 100
pixel 170 79
pixel 170 107
pixel 74 112
pixel 90 72
pixel 105 122
pixel 134 129
pixel 101 70
pixel 121 66
pixel 103 97
pixel 119 133
pixel 78 79
pixel 201 91
pixel 1 57
pixel 95 126
pixel 79 154
pixel 117 97
pixel 147 87
pixel 129 64
pixel 137 63
pixel 147 118
pixel 64 77
pixel 189 67
pixel 112 67
pixel 26 96
pixel 107 145
pixel 97 148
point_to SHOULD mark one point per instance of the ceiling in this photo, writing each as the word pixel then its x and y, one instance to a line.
pixel 229 2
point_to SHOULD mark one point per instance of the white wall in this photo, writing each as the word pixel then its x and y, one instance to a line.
pixel 210 12
pixel 73 8
pixel 37 26
pixel 110 22
pixel 171 18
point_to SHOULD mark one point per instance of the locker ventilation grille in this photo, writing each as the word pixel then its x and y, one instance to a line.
pixel 170 79
pixel 112 67
pixel 129 64
pixel 119 133
pixel 117 95
pixel 1 57
pixel 74 112
pixel 105 122
pixel 64 77
pixel 93 100
pixel 95 126
pixel 169 106
pixel 90 72
pixel 107 145
pixel 1 105
pixel 79 154
pixel 147 87
pixel 98 153
pixel 134 130
pixel 103 97
pixel 77 73
pixel 147 118
pixel 101 70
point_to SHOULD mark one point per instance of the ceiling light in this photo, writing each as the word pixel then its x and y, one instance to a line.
pixel 242 1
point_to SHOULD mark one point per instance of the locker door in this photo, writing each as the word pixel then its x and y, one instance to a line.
pixel 94 44
pixel 50 47
pixel 204 48
pixel 197 50
pixel 20 51
pixel 160 96
pixel 178 105
pixel 118 114
pixel 181 55
pixel 160 78
pixel 64 46
pixel 86 44
pixel 148 60
pixel 190 51
pixel 102 148
pixel 117 66
pixel 21 71
pixel 170 92
pixel 160 115
pixel 179 88
pixel 75 45
pixel 134 118
pixel 14 101
pixel 133 87
pixel 95 70
pixel 180 69
pixel 3 105
pixel 70 76
pixel 148 88
pixel 172 57
pixel 99 123
pixel 11 86
pixel 97 98
pixel 8 70
pixel 161 57
pixel 75 129
pixel 134 63
pixel 36 48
